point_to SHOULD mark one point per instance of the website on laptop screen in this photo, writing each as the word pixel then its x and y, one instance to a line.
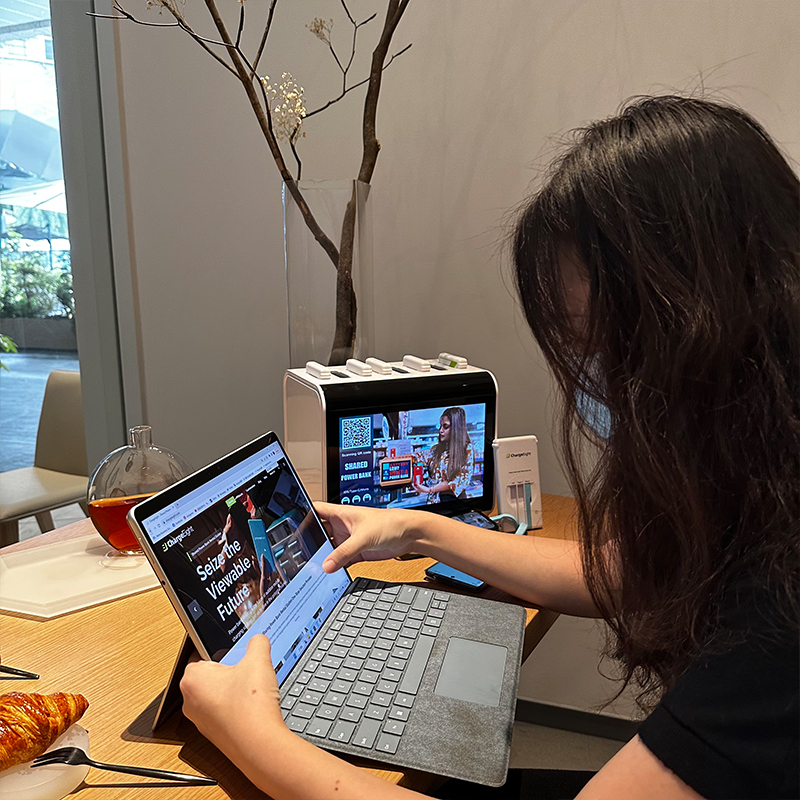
pixel 244 555
pixel 412 457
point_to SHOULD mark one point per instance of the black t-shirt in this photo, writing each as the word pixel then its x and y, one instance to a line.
pixel 729 727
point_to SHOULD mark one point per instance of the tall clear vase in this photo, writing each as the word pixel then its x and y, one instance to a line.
pixel 311 275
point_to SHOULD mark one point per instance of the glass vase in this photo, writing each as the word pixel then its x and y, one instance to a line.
pixel 125 477
pixel 311 275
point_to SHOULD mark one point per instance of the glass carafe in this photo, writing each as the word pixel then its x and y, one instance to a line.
pixel 125 477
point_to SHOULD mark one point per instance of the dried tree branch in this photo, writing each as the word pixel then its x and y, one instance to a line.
pixel 262 44
pixel 354 86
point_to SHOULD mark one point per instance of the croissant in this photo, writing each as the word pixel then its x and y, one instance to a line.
pixel 30 723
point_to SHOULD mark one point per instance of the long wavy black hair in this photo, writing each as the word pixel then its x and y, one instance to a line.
pixel 685 220
pixel 456 446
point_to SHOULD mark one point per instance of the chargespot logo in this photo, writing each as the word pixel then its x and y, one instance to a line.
pixel 518 455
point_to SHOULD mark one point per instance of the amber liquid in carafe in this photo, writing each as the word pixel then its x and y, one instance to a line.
pixel 109 517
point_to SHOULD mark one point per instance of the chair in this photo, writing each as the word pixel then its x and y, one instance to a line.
pixel 59 475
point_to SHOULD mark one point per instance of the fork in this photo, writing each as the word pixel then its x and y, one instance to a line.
pixel 74 756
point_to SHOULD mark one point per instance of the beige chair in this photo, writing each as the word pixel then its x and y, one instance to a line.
pixel 59 473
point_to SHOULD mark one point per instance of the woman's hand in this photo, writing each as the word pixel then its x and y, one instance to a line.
pixel 230 704
pixel 365 534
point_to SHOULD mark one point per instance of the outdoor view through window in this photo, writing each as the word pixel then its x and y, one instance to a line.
pixel 36 306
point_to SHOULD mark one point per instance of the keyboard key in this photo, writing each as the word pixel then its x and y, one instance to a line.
pixel 351 714
pixel 397 616
pixel 379 699
pixel 428 631
pixel 367 733
pixel 326 673
pixel 380 653
pixel 442 597
pixel 434 622
pixel 407 594
pixel 394 726
pixel 332 662
pixel 384 644
pixel 398 712
pixel 356 701
pixel 364 641
pixel 392 674
pixel 414 624
pixel 416 615
pixel 378 614
pixel 353 663
pixel 388 633
pixel 391 625
pixel 416 665
pixel 401 652
pixel 359 652
pixel 296 724
pixel 318 727
pixel 288 702
pixel 409 633
pixel 338 651
pixel 395 663
pixel 324 645
pixel 344 641
pixel 328 712
pixel 334 699
pixel 303 710
pixel 342 731
pixel 375 712
pixel 436 612
pixel 316 685
pixel 388 743
pixel 361 613
pixel 382 605
pixel 422 599
pixel 404 700
pixel 349 630
pixel 369 676
pixel 304 677
pixel 371 633
pixel 346 674
pixel 361 687
pixel 391 590
pixel 373 665
pixel 408 643
pixel 388 687
pixel 342 687
pixel 314 698
pixel 296 690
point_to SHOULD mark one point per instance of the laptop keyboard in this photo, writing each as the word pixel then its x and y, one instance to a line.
pixel 359 685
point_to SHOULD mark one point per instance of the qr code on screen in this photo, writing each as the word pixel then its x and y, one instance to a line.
pixel 356 432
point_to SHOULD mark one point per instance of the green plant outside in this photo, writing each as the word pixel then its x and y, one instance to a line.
pixel 30 287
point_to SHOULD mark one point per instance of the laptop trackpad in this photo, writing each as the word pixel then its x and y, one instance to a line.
pixel 472 671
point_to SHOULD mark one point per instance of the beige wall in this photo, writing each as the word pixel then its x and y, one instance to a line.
pixel 467 118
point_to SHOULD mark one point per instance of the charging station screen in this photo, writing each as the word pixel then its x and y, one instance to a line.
pixel 414 457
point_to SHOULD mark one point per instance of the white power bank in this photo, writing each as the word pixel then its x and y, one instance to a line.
pixel 516 468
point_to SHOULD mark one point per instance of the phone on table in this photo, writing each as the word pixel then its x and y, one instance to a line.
pixel 444 574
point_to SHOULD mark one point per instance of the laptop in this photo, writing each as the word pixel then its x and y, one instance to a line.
pixel 404 674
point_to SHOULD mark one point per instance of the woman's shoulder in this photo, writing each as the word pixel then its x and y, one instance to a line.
pixel 729 727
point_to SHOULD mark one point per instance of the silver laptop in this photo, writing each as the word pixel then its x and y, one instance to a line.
pixel 409 675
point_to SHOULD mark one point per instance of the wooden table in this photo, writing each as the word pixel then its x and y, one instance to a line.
pixel 119 655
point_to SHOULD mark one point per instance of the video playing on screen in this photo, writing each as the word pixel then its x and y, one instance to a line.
pixel 251 562
pixel 412 458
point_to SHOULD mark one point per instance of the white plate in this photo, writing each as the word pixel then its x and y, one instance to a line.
pixel 58 578
pixel 52 782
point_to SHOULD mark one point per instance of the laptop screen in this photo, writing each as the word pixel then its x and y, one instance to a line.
pixel 243 552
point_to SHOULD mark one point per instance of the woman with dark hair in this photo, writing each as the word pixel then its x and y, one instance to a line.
pixel 659 270
pixel 450 462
